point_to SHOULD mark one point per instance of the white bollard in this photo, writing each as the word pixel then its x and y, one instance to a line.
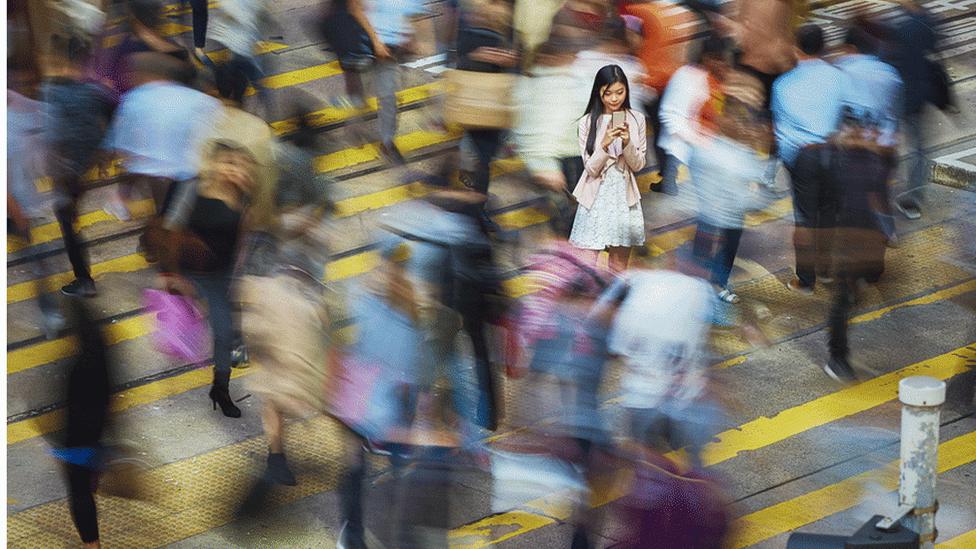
pixel 922 398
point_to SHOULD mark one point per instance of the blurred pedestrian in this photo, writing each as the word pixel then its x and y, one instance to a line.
pixel 680 111
pixel 659 325
pixel 27 158
pixel 875 96
pixel 199 236
pixel 238 26
pixel 549 98
pixel 863 157
pixel 387 25
pixel 727 174
pixel 483 46
pixel 80 446
pixel 764 37
pixel 613 143
pixel 657 53
pixel 915 38
pixel 160 126
pixel 806 107
pixel 110 66
pixel 77 114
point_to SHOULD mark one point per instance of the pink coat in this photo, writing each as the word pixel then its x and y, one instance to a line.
pixel 630 160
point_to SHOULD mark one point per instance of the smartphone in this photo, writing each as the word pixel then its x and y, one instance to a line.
pixel 618 118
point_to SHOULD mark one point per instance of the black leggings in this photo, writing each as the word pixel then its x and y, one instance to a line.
pixel 200 17
pixel 66 213
pixel 81 492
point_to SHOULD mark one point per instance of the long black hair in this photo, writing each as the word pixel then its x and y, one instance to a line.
pixel 607 76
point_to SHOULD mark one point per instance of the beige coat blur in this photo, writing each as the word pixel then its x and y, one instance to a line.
pixel 764 34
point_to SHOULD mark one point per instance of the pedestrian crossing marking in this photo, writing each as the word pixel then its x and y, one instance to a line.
pixel 800 511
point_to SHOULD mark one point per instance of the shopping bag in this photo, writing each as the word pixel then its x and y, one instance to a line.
pixel 181 329
pixel 479 99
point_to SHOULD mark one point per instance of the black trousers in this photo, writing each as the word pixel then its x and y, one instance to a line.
pixel 815 207
pixel 860 177
pixel 81 494
pixel 653 110
pixel 486 143
pixel 66 213
pixel 200 18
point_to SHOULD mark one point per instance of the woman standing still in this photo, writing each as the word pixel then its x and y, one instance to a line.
pixel 613 141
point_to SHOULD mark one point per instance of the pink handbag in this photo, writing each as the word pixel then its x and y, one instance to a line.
pixel 181 329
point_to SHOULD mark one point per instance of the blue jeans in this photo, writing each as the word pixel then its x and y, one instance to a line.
pixel 669 175
pixel 918 163
pixel 215 289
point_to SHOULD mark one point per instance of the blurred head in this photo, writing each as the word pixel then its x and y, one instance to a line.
pixel 230 164
pixel 859 39
pixel 146 13
pixel 494 15
pixel 809 41
pixel 714 55
pixel 231 81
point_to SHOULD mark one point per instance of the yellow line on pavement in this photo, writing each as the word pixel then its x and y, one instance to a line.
pixel 144 394
pixel 800 511
pixel 370 152
pixel 27 290
pixel 755 435
pixel 765 431
pixel 52 231
pixel 301 76
pixel 50 351
pixel 933 297
pixel 332 115
pixel 962 541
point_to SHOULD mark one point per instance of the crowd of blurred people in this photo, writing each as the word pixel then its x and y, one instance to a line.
pixel 594 97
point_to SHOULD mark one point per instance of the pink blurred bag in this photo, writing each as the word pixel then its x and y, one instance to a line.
pixel 181 329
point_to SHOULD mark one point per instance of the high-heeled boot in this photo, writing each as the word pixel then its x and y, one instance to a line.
pixel 220 396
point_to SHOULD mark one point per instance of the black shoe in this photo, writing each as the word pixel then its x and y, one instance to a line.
pixel 392 153
pixel 80 287
pixel 839 370
pixel 278 471
pixel 910 211
pixel 221 397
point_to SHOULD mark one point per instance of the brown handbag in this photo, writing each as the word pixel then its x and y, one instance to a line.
pixel 195 254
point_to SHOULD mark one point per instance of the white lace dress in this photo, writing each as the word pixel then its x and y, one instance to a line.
pixel 610 222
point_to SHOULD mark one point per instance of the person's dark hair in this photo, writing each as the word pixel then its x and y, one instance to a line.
pixel 810 39
pixel 607 76
pixel 147 12
pixel 713 47
pixel 231 81
pixel 614 29
pixel 860 40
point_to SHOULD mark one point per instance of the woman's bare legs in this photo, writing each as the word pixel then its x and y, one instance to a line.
pixel 619 258
pixel 273 425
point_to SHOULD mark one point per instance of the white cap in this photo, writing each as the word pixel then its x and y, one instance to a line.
pixel 921 391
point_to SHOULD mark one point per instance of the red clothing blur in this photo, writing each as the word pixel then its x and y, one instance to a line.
pixel 655 52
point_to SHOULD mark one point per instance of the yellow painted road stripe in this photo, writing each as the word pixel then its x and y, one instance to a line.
pixel 332 115
pixel 370 152
pixel 754 435
pixel 800 511
pixel 27 290
pixel 58 349
pixel 766 431
pixel 52 231
pixel 301 76
pixel 144 394
pixel 962 541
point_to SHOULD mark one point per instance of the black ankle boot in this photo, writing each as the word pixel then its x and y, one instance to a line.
pixel 220 396
pixel 278 471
